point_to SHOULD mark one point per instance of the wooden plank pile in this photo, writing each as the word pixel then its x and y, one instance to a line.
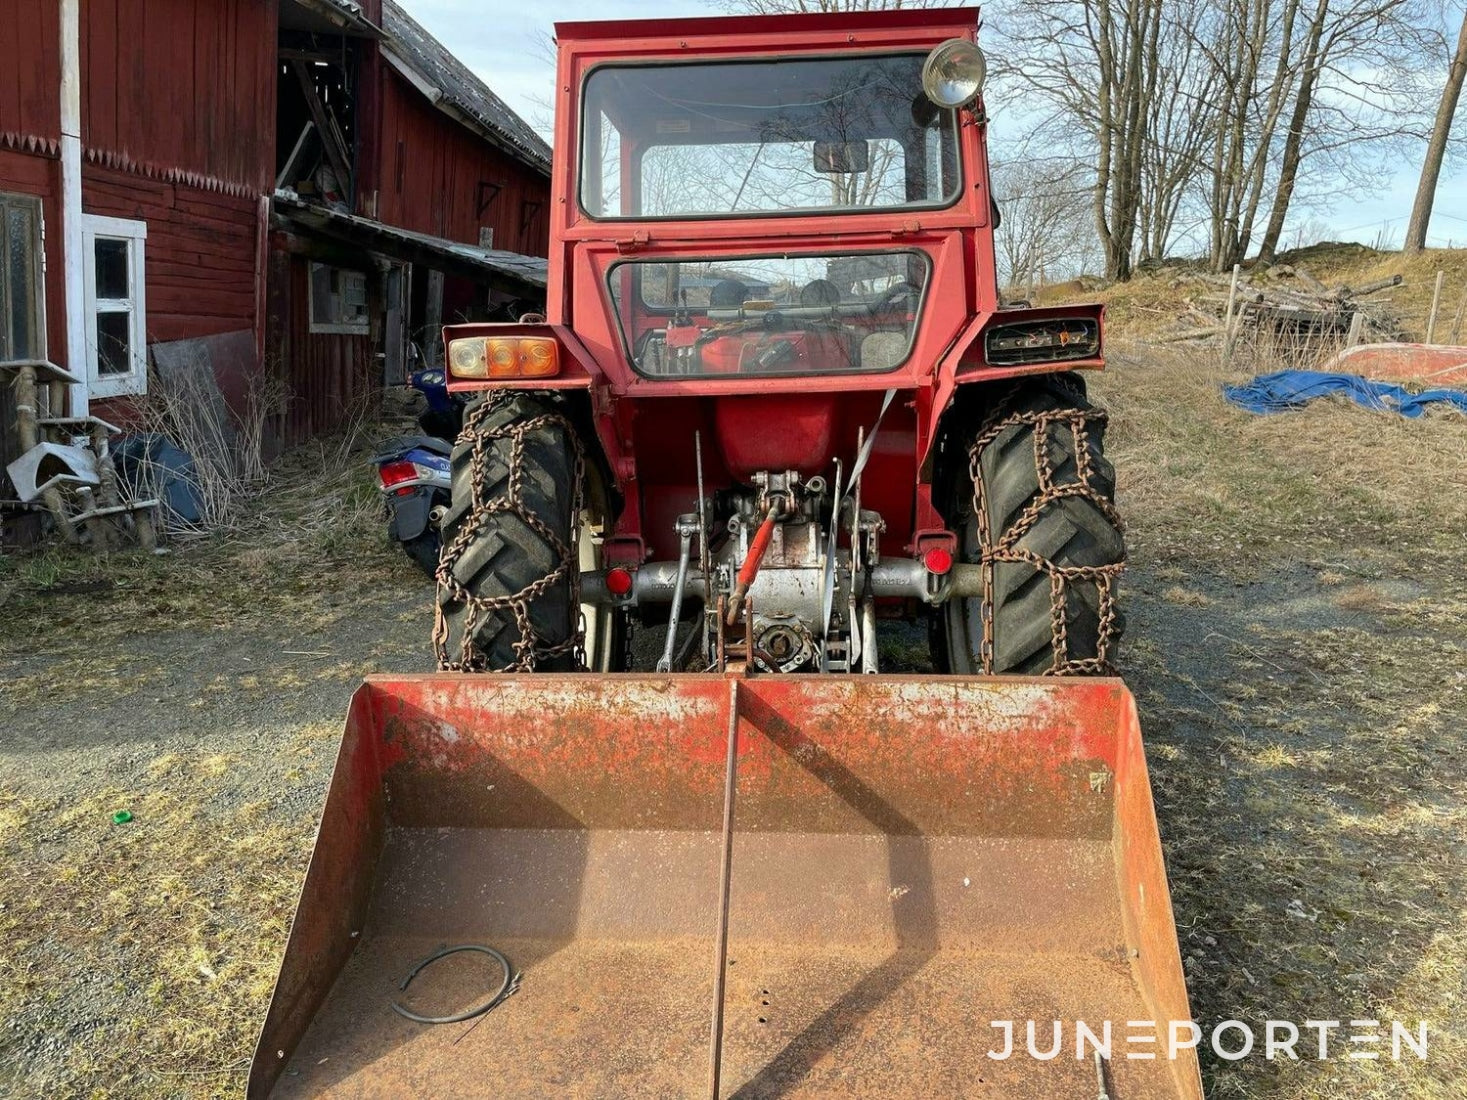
pixel 1284 303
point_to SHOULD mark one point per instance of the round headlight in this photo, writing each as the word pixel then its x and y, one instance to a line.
pixel 953 73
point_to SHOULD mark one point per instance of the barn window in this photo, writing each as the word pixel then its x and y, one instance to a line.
pixel 338 300
pixel 23 333
pixel 117 328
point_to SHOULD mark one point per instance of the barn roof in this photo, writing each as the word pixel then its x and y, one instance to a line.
pixel 327 16
pixel 454 88
pixel 507 271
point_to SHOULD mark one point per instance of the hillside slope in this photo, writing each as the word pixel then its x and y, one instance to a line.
pixel 1150 305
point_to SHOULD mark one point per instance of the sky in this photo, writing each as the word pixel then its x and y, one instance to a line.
pixel 507 43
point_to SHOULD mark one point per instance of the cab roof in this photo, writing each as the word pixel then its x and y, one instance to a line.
pixel 961 19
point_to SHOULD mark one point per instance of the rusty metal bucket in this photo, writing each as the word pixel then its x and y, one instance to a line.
pixel 912 859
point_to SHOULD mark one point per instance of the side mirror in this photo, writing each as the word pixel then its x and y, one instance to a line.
pixel 848 157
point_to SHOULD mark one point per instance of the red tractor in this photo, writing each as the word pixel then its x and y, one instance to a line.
pixel 776 374
pixel 775 398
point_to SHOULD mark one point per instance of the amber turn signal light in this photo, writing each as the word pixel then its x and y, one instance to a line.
pixel 504 357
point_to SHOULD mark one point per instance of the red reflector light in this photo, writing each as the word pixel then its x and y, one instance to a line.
pixel 618 582
pixel 395 473
pixel 938 560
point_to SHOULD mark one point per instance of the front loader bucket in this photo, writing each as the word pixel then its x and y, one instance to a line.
pixel 912 859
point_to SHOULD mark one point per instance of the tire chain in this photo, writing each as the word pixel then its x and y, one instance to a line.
pixel 1007 549
pixel 483 513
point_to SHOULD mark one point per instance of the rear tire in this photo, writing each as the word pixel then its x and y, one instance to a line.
pixel 423 551
pixel 508 575
pixel 1051 536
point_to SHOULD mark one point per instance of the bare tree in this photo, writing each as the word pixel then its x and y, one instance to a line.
pixel 1205 121
pixel 1437 147
pixel 1175 152
pixel 1294 139
pixel 1351 77
pixel 1094 64
pixel 1045 230
pixel 1255 54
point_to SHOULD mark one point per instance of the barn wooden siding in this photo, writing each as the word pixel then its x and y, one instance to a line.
pixel 431 173
pixel 30 74
pixel 200 252
pixel 180 134
pixel 182 90
pixel 178 120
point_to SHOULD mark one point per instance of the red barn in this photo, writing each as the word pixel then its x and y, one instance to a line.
pixel 300 187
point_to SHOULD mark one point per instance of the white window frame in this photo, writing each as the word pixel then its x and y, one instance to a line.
pixel 134 233
pixel 357 328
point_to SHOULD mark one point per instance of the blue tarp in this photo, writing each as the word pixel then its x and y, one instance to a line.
pixel 1289 389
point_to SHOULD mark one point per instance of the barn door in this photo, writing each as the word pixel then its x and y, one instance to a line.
pixel 394 327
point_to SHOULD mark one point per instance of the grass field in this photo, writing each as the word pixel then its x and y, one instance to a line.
pixel 1298 644
pixel 1297 641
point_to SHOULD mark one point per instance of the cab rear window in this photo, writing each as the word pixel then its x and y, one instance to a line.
pixel 769 315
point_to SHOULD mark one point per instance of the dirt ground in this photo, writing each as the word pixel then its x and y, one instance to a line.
pixel 1297 641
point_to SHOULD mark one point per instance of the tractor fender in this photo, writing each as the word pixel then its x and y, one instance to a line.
pixel 965 364
pixel 582 385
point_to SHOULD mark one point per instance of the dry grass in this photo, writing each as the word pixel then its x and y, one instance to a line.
pixel 281 554
pixel 179 914
pixel 227 452
pixel 1356 265
pixel 1201 476
pixel 1314 807
pixel 136 959
pixel 1303 711
pixel 1148 305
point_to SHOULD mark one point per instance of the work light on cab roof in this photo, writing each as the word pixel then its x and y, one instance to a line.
pixel 953 73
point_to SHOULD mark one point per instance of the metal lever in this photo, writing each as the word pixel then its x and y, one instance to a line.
pixel 720 954
pixel 686 525
pixel 1100 1076
pixel 750 568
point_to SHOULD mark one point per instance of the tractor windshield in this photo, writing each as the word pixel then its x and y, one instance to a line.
pixel 764 137
pixel 769 315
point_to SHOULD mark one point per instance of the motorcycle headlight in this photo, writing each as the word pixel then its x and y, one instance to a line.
pixel 952 75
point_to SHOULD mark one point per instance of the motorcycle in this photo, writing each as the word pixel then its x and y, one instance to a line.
pixel 414 473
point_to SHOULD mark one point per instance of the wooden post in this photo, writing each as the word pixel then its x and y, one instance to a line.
pixel 1228 331
pixel 1436 301
pixel 28 431
pixel 433 320
pixel 1357 326
pixel 108 493
pixel 1456 337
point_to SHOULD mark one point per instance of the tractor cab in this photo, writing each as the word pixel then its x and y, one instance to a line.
pixel 760 204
